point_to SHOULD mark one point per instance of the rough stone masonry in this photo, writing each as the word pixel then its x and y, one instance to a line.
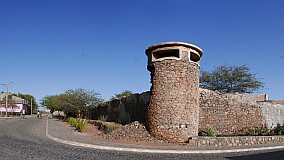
pixel 173 112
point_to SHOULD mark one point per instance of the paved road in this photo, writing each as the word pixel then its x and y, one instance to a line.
pixel 26 139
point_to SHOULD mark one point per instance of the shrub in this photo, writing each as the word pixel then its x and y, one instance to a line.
pixel 118 121
pixel 108 129
pixel 69 119
pixel 279 129
pixel 81 124
pixel 72 121
pixel 103 118
pixel 258 131
pixel 207 131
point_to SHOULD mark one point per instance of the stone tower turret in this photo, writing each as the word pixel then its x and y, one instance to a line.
pixel 174 108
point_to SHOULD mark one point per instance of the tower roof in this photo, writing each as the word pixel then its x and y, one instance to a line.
pixel 170 44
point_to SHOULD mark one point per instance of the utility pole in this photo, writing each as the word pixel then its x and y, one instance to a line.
pixel 7 85
pixel 1 105
pixel 31 106
pixel 6 99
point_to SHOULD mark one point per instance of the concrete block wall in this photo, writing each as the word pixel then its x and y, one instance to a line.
pixel 273 113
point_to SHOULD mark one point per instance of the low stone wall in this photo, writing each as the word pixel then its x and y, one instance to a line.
pixel 229 114
pixel 238 141
pixel 273 113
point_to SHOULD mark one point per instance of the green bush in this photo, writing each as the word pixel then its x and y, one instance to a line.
pixel 279 129
pixel 72 121
pixel 79 124
pixel 262 131
pixel 69 119
pixel 103 118
pixel 108 129
pixel 118 121
pixel 207 131
pixel 259 131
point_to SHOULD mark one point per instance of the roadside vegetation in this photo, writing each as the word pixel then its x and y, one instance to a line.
pixel 73 102
pixel 103 118
pixel 253 131
pixel 278 130
pixel 208 131
pixel 79 124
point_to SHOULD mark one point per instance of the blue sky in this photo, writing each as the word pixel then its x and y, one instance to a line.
pixel 47 47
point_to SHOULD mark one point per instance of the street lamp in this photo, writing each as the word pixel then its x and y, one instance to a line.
pixel 7 85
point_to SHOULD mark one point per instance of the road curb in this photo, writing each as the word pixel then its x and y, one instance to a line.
pixel 161 151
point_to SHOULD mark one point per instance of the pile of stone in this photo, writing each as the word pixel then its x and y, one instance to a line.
pixel 135 132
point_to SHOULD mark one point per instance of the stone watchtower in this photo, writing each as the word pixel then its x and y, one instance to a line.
pixel 174 107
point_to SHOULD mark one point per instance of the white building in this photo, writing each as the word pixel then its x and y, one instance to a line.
pixel 14 107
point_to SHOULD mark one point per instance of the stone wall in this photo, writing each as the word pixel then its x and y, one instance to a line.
pixel 124 110
pixel 273 113
pixel 229 114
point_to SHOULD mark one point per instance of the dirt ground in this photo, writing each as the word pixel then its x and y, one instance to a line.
pixel 133 133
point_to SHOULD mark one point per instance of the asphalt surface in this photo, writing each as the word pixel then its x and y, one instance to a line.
pixel 26 139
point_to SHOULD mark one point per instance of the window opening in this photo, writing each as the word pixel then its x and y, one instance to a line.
pixel 165 54
pixel 194 57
